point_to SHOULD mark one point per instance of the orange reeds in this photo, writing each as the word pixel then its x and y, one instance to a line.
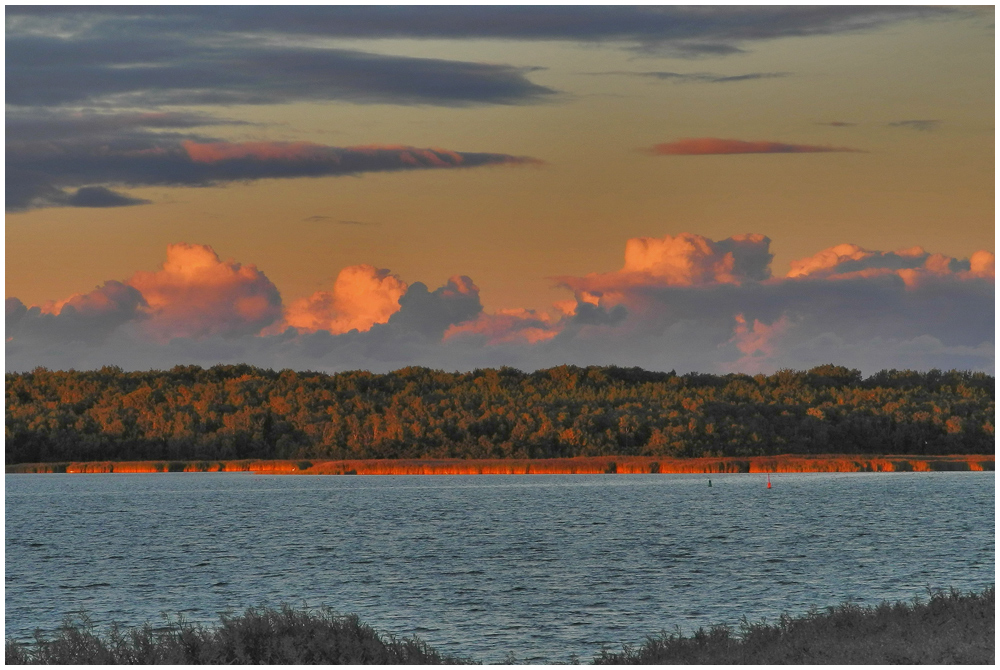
pixel 523 466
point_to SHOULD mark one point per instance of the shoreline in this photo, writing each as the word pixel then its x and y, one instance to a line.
pixel 785 463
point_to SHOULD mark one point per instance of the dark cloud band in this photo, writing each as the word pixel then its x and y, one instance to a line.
pixel 38 172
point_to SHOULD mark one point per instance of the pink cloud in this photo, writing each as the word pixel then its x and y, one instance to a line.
pixel 685 259
pixel 213 152
pixel 689 259
pixel 373 156
pixel 362 296
pixel 757 342
pixel 508 325
pixel 982 264
pixel 913 265
pixel 704 146
pixel 671 305
pixel 197 295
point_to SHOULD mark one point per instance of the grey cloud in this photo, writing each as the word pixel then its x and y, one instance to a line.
pixel 44 125
pixel 699 77
pixel 98 196
pixel 112 70
pixel 587 314
pixel 88 318
pixel 869 324
pixel 926 125
pixel 412 333
pixel 759 325
pixel 429 313
pixel 38 172
pixel 700 30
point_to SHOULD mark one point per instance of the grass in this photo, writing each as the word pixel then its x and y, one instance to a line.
pixel 259 636
pixel 950 627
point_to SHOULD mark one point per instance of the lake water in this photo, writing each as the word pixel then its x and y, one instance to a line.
pixel 540 565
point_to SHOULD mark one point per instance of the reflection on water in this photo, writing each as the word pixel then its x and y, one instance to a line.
pixel 542 565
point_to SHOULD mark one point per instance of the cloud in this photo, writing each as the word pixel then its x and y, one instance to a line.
pixel 40 124
pixel 84 317
pixel 912 265
pixel 505 326
pixel 116 68
pixel 362 296
pixel 700 77
pixel 683 302
pixel 316 218
pixel 98 196
pixel 982 263
pixel 925 125
pixel 39 171
pixel 682 260
pixel 431 313
pixel 674 30
pixel 195 294
pixel 704 146
pixel 757 342
pixel 692 259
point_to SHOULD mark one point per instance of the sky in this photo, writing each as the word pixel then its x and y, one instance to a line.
pixel 712 189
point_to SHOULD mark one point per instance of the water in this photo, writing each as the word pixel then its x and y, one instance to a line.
pixel 543 566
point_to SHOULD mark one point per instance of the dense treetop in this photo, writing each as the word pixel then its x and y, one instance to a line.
pixel 239 411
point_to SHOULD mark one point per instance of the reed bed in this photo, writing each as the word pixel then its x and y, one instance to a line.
pixel 521 466
pixel 259 636
pixel 950 627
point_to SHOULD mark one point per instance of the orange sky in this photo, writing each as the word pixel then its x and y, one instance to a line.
pixel 510 152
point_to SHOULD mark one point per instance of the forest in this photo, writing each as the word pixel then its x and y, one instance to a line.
pixel 238 411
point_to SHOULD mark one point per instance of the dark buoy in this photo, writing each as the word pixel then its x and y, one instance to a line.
pixel 709 483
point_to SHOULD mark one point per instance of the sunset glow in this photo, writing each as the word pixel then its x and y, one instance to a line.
pixel 721 189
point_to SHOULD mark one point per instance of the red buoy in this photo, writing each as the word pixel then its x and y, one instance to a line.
pixel 768 480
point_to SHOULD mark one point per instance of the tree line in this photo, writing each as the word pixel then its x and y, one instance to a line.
pixel 239 411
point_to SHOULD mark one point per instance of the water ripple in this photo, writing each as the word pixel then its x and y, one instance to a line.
pixel 541 566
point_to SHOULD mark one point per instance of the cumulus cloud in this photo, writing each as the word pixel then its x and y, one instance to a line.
pixel 195 294
pixel 704 146
pixel 431 313
pixel 84 317
pixel 682 260
pixel 912 265
pixel 682 302
pixel 362 296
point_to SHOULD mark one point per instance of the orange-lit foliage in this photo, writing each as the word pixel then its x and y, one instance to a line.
pixel 551 466
pixel 230 413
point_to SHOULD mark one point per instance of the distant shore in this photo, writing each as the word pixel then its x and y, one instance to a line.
pixel 548 466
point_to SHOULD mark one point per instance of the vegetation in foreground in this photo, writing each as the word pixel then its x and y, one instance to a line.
pixel 949 628
pixel 233 412
pixel 258 636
